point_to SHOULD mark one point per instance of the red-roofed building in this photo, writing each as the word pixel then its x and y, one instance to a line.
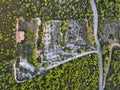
pixel 20 36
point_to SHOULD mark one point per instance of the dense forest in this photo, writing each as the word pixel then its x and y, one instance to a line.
pixel 109 12
pixel 79 74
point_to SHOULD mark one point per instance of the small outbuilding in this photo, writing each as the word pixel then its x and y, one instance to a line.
pixel 20 36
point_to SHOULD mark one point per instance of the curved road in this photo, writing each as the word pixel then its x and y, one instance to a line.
pixel 52 66
pixel 70 59
pixel 110 55
pixel 94 9
pixel 85 53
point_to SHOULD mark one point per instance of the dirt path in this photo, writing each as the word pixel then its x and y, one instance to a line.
pixel 110 55
pixel 70 59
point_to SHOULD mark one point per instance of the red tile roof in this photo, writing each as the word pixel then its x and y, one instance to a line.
pixel 19 36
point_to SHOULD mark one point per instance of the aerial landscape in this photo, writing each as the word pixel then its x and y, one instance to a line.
pixel 59 44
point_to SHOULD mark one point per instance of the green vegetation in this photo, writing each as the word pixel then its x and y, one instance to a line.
pixel 70 75
pixel 114 73
pixel 80 74
pixel 108 11
pixel 36 62
pixel 28 49
pixel 41 35
pixel 70 51
pixel 27 45
pixel 46 64
pixel 63 30
pixel 1 37
pixel 82 50
pixel 46 10
pixel 64 26
pixel 91 35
